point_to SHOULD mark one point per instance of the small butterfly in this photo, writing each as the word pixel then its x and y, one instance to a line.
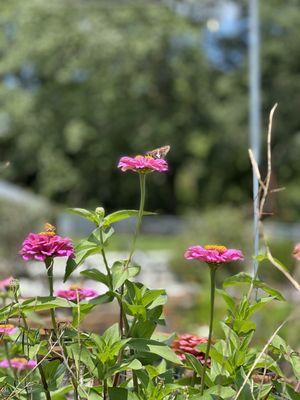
pixel 160 152
pixel 48 230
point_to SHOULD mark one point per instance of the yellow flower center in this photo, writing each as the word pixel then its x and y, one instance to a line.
pixel 75 287
pixel 49 230
pixel 20 360
pixel 6 326
pixel 216 247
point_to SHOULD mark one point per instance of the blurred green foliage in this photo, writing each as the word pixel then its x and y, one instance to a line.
pixel 85 82
pixel 16 220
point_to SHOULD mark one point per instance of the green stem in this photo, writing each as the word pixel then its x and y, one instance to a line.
pixel 212 302
pixel 123 323
pixel 135 382
pixel 44 381
pixel 49 267
pixel 105 261
pixel 105 389
pixel 140 215
pixel 21 312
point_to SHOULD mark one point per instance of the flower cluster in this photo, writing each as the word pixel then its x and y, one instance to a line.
pixel 18 363
pixel 75 292
pixel 213 254
pixel 8 329
pixel 188 343
pixel 143 164
pixel 39 246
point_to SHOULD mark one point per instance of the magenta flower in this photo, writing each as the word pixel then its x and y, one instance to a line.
pixel 8 329
pixel 188 343
pixel 213 254
pixel 143 164
pixel 18 363
pixel 75 292
pixel 39 246
pixel 296 252
pixel 5 283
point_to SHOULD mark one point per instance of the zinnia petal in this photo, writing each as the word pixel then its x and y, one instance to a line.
pixel 142 164
pixel 213 254
pixel 39 246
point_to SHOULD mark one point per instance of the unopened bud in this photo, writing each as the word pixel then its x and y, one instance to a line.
pixel 100 211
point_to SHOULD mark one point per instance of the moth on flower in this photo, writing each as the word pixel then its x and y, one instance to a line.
pixel 153 160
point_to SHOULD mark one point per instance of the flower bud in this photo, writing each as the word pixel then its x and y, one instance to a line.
pixel 100 212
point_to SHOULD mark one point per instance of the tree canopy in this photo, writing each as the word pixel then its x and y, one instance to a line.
pixel 85 82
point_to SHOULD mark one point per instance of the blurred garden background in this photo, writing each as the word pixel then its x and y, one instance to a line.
pixel 84 82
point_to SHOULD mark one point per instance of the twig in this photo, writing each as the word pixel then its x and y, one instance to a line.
pixel 259 357
pixel 279 267
pixel 255 168
pixel 265 188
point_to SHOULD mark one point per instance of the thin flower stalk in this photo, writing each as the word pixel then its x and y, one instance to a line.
pixel 213 269
pixel 49 268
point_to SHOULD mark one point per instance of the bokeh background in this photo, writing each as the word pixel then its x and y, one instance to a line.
pixel 83 82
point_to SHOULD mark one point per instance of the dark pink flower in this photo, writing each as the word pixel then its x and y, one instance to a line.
pixel 8 329
pixel 296 251
pixel 75 292
pixel 18 363
pixel 143 164
pixel 213 254
pixel 5 283
pixel 188 343
pixel 39 246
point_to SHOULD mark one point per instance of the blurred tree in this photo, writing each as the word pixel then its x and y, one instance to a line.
pixel 83 82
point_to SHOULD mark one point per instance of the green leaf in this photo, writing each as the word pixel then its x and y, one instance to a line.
pixel 221 391
pixel 230 335
pixel 227 298
pixel 86 214
pixel 259 304
pixel 60 393
pixel 115 393
pixel 34 304
pixel 121 215
pixel 196 365
pixel 132 364
pixel 120 273
pixel 79 312
pixel 243 326
pixel 280 344
pixel 154 347
pixel 85 249
pixel 103 298
pixel 95 275
pixel 265 257
pixel 152 296
pixel 295 362
pixel 243 278
pixel 70 268
pixel 112 334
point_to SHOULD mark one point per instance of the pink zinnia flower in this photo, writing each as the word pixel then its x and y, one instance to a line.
pixel 143 164
pixel 8 329
pixel 5 283
pixel 39 246
pixel 188 343
pixel 213 254
pixel 18 363
pixel 296 251
pixel 75 292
